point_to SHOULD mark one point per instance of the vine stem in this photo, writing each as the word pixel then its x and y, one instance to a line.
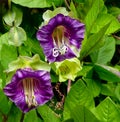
pixel 69 86
pixel 67 4
pixel 9 4
pixel 117 37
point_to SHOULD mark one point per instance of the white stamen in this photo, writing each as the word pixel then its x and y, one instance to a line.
pixel 59 41
pixel 28 85
pixel 63 49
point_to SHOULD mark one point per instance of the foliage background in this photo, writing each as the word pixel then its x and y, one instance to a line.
pixel 95 93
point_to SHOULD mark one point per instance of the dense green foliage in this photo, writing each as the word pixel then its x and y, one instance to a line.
pixel 95 93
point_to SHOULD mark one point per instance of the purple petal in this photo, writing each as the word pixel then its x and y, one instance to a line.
pixel 74 32
pixel 59 19
pixel 42 88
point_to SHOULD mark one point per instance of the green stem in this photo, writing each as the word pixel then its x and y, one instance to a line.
pixel 67 4
pixel 9 4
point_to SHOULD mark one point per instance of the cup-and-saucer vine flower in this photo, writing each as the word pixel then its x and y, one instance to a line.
pixel 61 38
pixel 30 85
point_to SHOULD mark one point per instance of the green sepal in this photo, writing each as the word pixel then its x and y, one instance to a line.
pixel 13 17
pixel 28 62
pixel 47 15
pixel 68 69
pixel 17 36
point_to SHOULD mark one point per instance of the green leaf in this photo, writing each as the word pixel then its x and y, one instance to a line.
pixel 114 26
pixel 31 117
pixel 8 54
pixel 94 86
pixel 24 50
pixel 33 3
pixel 115 11
pixel 104 19
pixel 2 77
pixel 1 117
pixel 69 120
pixel 79 95
pixel 47 114
pixel 105 53
pixel 108 89
pixel 73 10
pixel 107 73
pixel 82 114
pixel 93 13
pixel 35 48
pixel 17 36
pixel 5 104
pixel 107 111
pixel 85 70
pixel 1 84
pixel 14 115
pixel 93 43
pixel 3 40
pixel 117 92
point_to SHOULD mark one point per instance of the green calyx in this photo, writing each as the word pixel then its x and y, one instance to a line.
pixel 47 15
pixel 28 62
pixel 68 69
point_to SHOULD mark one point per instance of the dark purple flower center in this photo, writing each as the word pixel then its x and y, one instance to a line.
pixel 60 41
pixel 29 86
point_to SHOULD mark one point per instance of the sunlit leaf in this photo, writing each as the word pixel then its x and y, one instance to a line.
pixel 107 73
pixel 14 115
pixel 37 3
pixel 114 10
pixel 5 104
pixel 79 95
pixel 73 10
pixel 105 53
pixel 82 114
pixel 93 13
pixel 108 89
pixel 8 54
pixel 107 111
pixel 93 43
pixel 48 115
pixel 94 86
pixel 31 117
pixel 104 19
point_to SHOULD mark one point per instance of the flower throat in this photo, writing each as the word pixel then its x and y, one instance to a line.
pixel 59 41
pixel 29 85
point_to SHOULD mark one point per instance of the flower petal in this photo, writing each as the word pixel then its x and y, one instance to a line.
pixel 42 88
pixel 72 36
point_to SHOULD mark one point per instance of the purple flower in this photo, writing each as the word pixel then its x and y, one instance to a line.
pixel 29 89
pixel 60 37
